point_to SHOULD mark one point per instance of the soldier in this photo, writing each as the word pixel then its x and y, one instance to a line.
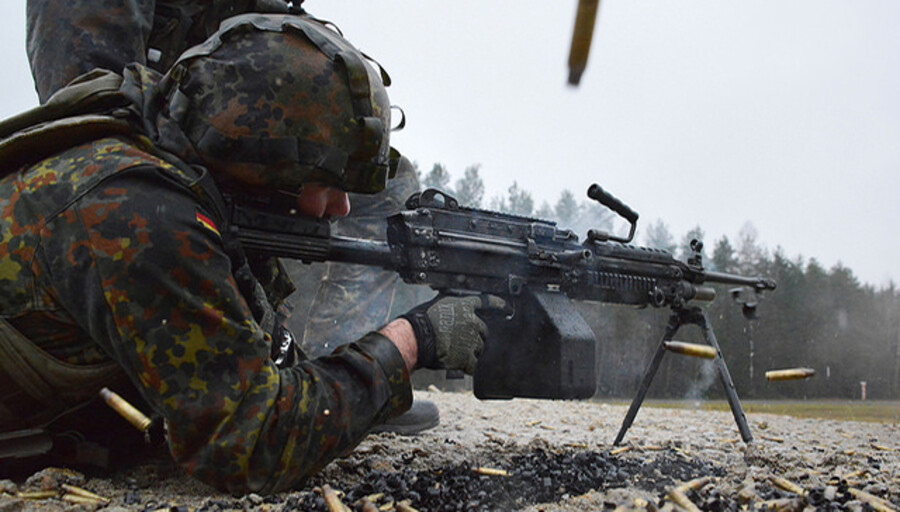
pixel 68 38
pixel 117 259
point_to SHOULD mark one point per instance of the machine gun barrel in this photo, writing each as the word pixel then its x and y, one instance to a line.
pixel 359 251
pixel 303 238
pixel 757 283
pixel 312 248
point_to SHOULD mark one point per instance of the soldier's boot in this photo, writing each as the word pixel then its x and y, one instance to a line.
pixel 423 415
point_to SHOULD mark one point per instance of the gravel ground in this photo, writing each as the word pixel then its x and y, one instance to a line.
pixel 558 456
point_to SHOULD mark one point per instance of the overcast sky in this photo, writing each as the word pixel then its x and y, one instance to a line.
pixel 785 114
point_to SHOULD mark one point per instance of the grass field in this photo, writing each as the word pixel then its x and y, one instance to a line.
pixel 851 410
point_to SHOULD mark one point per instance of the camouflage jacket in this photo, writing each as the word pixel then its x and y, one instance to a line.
pixel 107 253
pixel 67 38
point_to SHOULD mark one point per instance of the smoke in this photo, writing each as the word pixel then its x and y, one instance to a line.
pixel 706 377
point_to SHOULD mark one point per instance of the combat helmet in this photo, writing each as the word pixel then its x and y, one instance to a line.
pixel 282 100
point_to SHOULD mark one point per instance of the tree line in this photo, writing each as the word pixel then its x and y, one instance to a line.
pixel 819 318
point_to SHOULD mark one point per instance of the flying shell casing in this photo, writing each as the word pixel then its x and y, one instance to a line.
pixel 691 349
pixel 125 409
pixel 585 18
pixel 790 374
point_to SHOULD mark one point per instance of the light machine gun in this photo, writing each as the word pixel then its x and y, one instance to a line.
pixel 540 347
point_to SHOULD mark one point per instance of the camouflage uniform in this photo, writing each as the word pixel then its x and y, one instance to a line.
pixel 108 254
pixel 68 38
pixel 116 258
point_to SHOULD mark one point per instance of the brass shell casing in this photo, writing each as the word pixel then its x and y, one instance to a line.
pixel 125 409
pixel 790 374
pixel 691 349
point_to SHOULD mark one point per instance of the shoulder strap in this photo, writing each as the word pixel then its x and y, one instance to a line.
pixel 92 92
pixel 33 144
pixel 79 112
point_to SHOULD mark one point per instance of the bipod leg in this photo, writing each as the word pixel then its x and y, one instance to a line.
pixel 674 323
pixel 736 409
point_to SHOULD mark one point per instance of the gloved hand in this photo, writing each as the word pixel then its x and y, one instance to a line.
pixel 449 333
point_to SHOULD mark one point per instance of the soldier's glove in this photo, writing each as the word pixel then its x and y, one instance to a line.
pixel 449 333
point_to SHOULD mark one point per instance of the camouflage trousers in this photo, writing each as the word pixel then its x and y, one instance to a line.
pixel 337 303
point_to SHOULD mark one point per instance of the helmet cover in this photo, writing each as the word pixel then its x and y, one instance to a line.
pixel 283 100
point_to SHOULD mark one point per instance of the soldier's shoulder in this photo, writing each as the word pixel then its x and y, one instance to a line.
pixel 119 153
pixel 75 172
pixel 125 152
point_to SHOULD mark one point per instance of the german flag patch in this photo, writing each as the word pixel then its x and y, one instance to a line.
pixel 208 223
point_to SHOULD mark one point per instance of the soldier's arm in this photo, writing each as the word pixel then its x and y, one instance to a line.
pixel 401 334
pixel 163 302
pixel 66 38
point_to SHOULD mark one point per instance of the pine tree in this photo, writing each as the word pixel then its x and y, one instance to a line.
pixel 658 236
pixel 520 201
pixel 723 258
pixel 498 204
pixel 566 208
pixel 545 212
pixel 470 189
pixel 750 254
pixel 438 178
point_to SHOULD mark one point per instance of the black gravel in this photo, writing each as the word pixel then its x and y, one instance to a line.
pixel 540 476
pixel 535 477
